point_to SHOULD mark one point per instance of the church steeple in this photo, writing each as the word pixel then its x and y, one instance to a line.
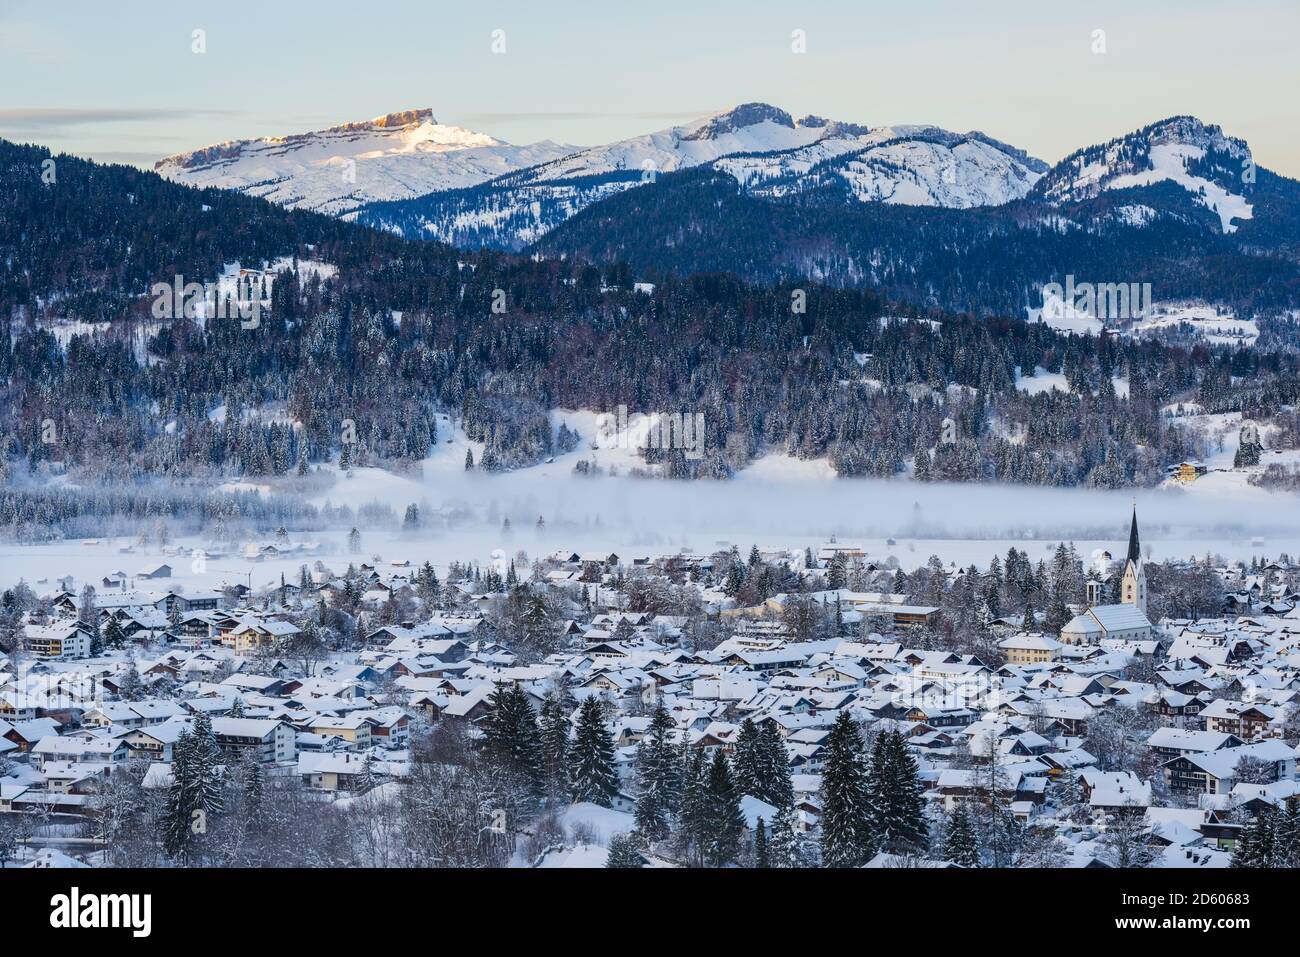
pixel 1133 586
pixel 1134 547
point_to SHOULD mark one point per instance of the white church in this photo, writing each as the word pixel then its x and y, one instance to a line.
pixel 1126 621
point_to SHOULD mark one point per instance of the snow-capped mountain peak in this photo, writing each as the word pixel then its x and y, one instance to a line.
pixel 904 165
pixel 737 118
pixel 394 156
pixel 749 128
pixel 1182 150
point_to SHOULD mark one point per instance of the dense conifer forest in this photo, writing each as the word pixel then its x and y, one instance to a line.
pixel 405 330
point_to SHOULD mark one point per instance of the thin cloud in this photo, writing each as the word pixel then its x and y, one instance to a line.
pixel 44 119
pixel 125 157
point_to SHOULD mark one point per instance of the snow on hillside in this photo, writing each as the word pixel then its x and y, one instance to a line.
pixel 780 467
pixel 564 199
pixel 1221 433
pixel 751 128
pixel 907 165
pixel 601 822
pixel 1214 324
pixel 1169 162
pixel 920 173
pixel 1044 381
pixel 1161 152
pixel 1065 317
pixel 396 156
pixel 1041 381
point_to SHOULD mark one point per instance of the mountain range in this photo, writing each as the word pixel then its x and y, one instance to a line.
pixel 409 173
pixel 961 221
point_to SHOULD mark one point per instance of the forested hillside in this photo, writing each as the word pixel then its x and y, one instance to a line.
pixel 989 260
pixel 404 329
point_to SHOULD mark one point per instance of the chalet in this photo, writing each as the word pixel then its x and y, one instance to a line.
pixel 1173 708
pixel 266 740
pixel 1108 792
pixel 902 616
pixel 1222 828
pixel 955 787
pixel 1072 761
pixel 833 550
pixel 1189 681
pixel 390 727
pixel 1215 772
pixel 149 621
pixel 132 714
pixel 24 734
pixel 1071 714
pixel 333 770
pixel 939 717
pixel 84 750
pixel 353 728
pixel 64 601
pixel 1029 648
pixel 193 601
pixel 57 641
pixel 428 704
pixel 251 634
pixel 1241 718
pixel 155 571
pixel 18 705
pixel 472 706
pixel 157 742
pixel 1169 743
pixel 767 662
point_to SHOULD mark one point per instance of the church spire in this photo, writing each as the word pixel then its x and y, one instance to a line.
pixel 1134 547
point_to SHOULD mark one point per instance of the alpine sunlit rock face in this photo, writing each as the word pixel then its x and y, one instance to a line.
pixel 396 156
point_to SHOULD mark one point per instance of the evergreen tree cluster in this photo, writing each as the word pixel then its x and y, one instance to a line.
pixel 870 804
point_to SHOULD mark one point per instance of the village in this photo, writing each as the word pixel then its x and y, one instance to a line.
pixel 683 709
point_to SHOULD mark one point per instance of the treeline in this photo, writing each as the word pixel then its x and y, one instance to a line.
pixel 48 513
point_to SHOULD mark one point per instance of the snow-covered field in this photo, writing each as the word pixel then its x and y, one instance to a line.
pixel 1222 481
pixel 1044 381
pixel 1214 324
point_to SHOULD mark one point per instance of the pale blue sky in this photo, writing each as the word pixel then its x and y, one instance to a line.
pixel 118 81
